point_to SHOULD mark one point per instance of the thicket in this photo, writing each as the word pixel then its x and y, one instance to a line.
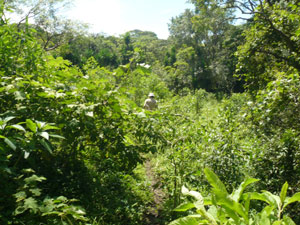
pixel 256 134
pixel 74 136
pixel 70 139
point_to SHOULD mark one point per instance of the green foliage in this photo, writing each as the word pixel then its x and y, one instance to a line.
pixel 271 44
pixel 150 47
pixel 207 33
pixel 53 30
pixel 78 130
pixel 274 115
pixel 72 127
pixel 32 209
pixel 127 49
pixel 224 208
pixel 82 47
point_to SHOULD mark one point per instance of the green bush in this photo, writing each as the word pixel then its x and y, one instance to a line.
pixel 220 207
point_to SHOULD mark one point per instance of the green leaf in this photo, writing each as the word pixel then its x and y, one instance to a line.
pixel 28 171
pixel 19 95
pixel 18 127
pixel 259 196
pixel 47 207
pixel 33 179
pixel 273 199
pixel 236 195
pixel 10 144
pixel 44 135
pixel 278 222
pixel 31 125
pixel 267 210
pixel 247 197
pixel 20 196
pixel 184 207
pixel 294 198
pixel 35 191
pixel 61 199
pixel 232 214
pixel 184 190
pixel 31 203
pixel 233 206
pixel 50 127
pixel 214 181
pixel 46 145
pixel 128 140
pixel 213 211
pixel 188 220
pixel 56 136
pixel 8 119
pixel 283 192
pixel 26 154
pixel 264 220
pixel 40 124
pixel 207 215
pixel 288 220
pixel 194 194
pixel 266 197
pixel 19 210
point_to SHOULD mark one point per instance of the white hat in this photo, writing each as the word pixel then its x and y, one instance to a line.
pixel 151 95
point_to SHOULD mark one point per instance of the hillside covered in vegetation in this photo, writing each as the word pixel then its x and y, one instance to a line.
pixel 77 146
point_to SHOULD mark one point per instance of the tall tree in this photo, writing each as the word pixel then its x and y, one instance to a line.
pixel 44 15
pixel 150 46
pixel 127 48
pixel 272 43
pixel 209 31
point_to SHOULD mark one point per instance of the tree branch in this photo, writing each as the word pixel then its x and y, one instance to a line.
pixel 289 61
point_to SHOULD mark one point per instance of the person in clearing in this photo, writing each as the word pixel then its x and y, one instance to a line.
pixel 150 102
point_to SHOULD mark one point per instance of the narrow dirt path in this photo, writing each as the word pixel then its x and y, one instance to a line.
pixel 153 214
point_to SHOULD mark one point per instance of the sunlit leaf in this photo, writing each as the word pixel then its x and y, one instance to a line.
pixel 294 198
pixel 259 196
pixel 268 210
pixel 214 181
pixel 10 144
pixel 44 135
pixel 40 124
pixel 26 154
pixel 18 127
pixel 50 127
pixel 274 199
pixel 233 206
pixel 34 178
pixel 19 210
pixel 20 196
pixel 184 207
pixel 283 192
pixel 188 220
pixel 288 220
pixel 31 125
pixel 8 118
pixel 238 192
pixel 31 203
pixel 184 190
pixel 35 191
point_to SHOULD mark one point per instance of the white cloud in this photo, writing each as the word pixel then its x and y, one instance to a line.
pixel 116 17
pixel 101 15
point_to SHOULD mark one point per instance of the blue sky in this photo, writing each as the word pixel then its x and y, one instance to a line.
pixel 115 17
